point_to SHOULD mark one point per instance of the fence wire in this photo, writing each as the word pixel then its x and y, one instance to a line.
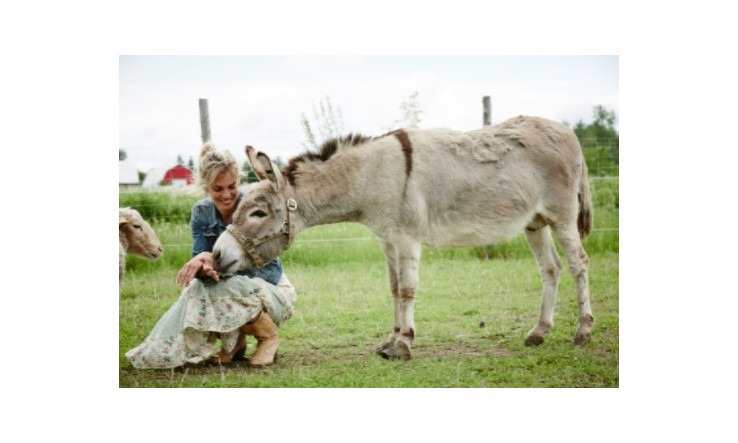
pixel 194 194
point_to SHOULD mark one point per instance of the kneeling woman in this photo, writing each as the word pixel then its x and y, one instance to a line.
pixel 252 302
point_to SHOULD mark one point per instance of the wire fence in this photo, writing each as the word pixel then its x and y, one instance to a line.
pixel 174 205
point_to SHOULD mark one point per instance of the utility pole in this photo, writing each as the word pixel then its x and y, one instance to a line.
pixel 204 120
pixel 487 111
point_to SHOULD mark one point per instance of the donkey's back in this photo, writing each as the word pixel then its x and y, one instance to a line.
pixel 488 185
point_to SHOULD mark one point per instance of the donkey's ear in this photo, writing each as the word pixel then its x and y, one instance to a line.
pixel 263 167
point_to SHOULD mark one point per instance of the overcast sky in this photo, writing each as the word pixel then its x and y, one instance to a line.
pixel 259 100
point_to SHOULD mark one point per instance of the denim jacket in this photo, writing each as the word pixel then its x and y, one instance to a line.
pixel 207 225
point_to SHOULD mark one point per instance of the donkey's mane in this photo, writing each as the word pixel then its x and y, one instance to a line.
pixel 326 151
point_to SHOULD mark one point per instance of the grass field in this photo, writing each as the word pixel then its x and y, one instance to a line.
pixel 471 317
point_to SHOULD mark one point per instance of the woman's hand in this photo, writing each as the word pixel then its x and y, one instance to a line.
pixel 202 263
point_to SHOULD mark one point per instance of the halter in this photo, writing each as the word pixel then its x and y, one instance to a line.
pixel 249 244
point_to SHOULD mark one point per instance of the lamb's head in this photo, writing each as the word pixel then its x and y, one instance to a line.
pixel 263 226
pixel 137 236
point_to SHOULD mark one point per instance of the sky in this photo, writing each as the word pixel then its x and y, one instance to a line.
pixel 260 100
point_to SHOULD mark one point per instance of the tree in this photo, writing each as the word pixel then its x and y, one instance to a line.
pixel 600 142
pixel 180 160
pixel 601 131
pixel 191 164
pixel 326 121
pixel 410 113
pixel 122 155
pixel 247 174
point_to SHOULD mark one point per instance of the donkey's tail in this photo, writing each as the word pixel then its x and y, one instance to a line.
pixel 584 220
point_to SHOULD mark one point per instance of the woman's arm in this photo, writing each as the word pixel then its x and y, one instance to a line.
pixel 201 263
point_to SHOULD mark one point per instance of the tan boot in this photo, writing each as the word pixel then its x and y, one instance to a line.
pixel 236 354
pixel 266 334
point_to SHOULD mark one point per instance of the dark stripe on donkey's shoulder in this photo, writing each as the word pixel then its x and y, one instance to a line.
pixel 407 149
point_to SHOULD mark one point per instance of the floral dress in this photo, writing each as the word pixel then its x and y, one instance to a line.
pixel 187 331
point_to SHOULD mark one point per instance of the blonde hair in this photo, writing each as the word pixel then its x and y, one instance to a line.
pixel 212 163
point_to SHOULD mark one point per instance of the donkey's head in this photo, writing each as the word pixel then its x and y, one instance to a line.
pixel 263 226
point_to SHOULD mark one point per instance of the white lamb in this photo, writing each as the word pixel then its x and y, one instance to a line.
pixel 137 238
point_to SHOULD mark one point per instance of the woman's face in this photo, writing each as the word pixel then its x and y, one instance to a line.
pixel 224 192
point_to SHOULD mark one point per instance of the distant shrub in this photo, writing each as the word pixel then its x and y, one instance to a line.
pixel 160 206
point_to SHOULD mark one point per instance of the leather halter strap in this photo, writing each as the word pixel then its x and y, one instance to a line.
pixel 249 244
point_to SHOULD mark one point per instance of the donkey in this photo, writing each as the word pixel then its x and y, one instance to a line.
pixel 437 187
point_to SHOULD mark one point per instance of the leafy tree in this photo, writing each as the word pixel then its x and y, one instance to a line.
pixel 601 131
pixel 180 160
pixel 191 164
pixel 122 155
pixel 247 174
pixel 600 142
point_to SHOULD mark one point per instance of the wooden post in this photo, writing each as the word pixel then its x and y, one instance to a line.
pixel 204 120
pixel 487 112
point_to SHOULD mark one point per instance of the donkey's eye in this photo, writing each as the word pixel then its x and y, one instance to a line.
pixel 258 214
pixel 138 226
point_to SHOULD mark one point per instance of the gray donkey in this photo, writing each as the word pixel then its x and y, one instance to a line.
pixel 437 187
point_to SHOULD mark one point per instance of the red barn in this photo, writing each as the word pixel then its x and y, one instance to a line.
pixel 178 175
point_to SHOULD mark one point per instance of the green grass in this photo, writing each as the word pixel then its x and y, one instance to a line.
pixel 471 318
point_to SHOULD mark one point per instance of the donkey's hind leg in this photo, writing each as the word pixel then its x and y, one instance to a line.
pixel 571 244
pixel 549 264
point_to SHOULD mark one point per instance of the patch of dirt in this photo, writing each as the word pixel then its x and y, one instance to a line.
pixel 468 347
pixel 463 348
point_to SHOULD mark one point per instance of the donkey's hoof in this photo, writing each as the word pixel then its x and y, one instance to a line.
pixel 581 339
pixel 400 351
pixel 533 340
pixel 384 347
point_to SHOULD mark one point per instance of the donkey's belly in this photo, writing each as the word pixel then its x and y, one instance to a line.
pixel 456 236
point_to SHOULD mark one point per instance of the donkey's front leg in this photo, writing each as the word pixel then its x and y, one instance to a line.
pixel 393 272
pixel 404 258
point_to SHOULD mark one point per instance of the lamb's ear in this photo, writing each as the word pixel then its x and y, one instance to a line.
pixel 263 167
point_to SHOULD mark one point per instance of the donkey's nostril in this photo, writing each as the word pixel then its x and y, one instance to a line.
pixel 216 255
